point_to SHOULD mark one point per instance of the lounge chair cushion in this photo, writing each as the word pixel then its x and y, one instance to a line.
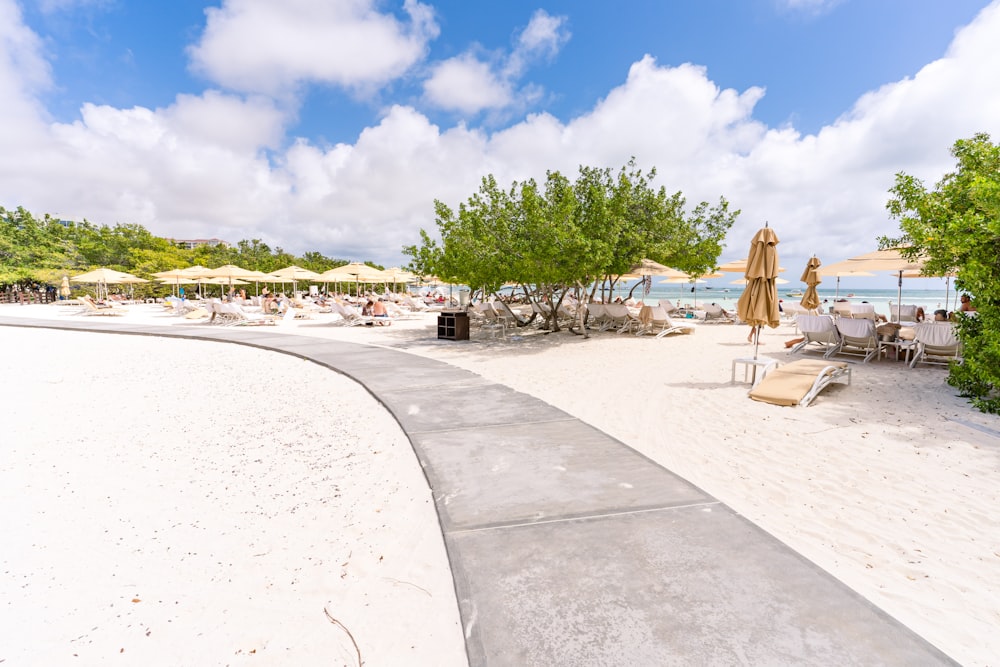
pixel 791 383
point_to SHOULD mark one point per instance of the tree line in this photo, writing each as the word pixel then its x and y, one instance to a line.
pixel 44 249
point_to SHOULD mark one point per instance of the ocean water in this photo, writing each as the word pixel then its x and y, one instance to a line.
pixel 930 300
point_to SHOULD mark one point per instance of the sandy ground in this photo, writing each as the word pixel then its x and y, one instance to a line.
pixel 891 484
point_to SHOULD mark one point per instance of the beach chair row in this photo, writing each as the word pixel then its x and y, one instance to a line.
pixel 932 342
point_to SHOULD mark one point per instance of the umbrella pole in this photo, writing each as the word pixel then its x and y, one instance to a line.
pixel 899 297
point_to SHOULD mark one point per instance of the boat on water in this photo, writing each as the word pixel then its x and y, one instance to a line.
pixel 794 293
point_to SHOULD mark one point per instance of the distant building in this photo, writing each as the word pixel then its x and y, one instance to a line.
pixel 191 244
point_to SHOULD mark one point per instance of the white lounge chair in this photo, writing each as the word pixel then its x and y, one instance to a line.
pixel 507 315
pixel 715 314
pixel 857 337
pixel 863 311
pixel 660 324
pixel 619 318
pixel 936 343
pixel 799 382
pixel 818 331
pixel 902 313
pixel 92 308
pixel 596 316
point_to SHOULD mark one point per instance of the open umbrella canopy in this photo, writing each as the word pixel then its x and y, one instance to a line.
pixel 810 276
pixel 228 271
pixel 743 281
pixel 738 266
pixel 845 268
pixel 398 275
pixel 682 280
pixel 353 271
pixel 758 305
pixel 295 273
pixel 889 259
pixel 647 267
pixel 103 275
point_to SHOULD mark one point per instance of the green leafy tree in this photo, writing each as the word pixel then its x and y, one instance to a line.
pixel 567 236
pixel 957 227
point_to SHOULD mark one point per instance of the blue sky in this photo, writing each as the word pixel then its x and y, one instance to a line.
pixel 332 126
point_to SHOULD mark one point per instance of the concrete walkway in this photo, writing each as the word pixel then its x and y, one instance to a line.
pixel 569 548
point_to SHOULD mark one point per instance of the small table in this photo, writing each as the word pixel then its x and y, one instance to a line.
pixel 900 345
pixel 766 364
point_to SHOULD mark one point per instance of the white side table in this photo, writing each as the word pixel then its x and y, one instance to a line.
pixel 764 363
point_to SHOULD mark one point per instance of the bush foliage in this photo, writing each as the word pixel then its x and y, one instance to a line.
pixel 956 227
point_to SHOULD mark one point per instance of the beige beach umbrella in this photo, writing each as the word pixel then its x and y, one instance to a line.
pixel 889 259
pixel 738 266
pixel 647 267
pixel 230 272
pixel 758 305
pixel 64 288
pixel 354 272
pixel 694 281
pixel 844 268
pixel 743 281
pixel 810 300
pixel 397 276
pixel 103 277
pixel 947 282
pixel 296 273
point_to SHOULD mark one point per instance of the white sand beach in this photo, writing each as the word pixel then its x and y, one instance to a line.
pixel 891 484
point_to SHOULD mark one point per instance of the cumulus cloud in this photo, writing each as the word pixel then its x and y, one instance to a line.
pixel 261 46
pixel 222 165
pixel 469 83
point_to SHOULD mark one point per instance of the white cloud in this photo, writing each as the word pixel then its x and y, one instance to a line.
pixel 544 36
pixel 217 165
pixel 468 84
pixel 271 47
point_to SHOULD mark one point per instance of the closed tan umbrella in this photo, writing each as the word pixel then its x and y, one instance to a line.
pixel 64 288
pixel 810 300
pixel 758 305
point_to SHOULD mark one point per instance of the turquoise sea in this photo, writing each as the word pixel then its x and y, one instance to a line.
pixel 930 300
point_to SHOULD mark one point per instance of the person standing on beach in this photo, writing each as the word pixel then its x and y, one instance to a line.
pixel 967 306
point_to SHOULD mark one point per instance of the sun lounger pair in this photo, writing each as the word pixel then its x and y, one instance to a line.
pixel 92 308
pixel 799 382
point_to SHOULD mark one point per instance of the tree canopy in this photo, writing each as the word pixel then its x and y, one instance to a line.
pixel 956 227
pixel 44 249
pixel 562 235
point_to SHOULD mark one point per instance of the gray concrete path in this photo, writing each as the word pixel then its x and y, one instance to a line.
pixel 569 548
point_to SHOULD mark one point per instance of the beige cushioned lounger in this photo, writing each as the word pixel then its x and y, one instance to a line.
pixel 799 382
